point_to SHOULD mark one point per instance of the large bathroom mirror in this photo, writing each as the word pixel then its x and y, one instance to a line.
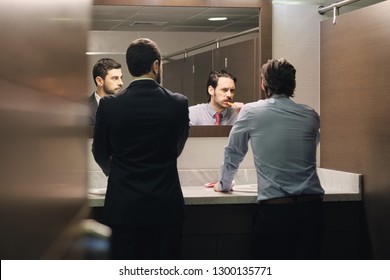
pixel 184 34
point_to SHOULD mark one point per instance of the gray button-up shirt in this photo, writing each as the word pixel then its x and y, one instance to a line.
pixel 204 114
pixel 284 137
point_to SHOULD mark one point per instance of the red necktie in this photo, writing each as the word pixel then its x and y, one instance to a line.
pixel 218 117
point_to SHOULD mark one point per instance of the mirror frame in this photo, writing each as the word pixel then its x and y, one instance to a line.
pixel 195 131
pixel 265 37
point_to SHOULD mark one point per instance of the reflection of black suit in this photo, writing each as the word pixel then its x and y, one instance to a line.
pixel 138 136
pixel 93 106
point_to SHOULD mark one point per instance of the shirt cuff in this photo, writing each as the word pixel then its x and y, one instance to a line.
pixel 221 188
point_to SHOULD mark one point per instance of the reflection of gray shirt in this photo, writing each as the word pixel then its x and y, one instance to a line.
pixel 284 137
pixel 204 114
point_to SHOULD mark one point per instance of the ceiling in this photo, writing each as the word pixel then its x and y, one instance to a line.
pixel 183 19
pixel 189 19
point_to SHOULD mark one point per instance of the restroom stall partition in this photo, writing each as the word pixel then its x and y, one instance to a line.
pixel 355 110
pixel 189 75
pixel 43 124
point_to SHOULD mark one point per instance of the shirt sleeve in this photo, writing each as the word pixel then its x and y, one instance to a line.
pixel 235 150
pixel 192 115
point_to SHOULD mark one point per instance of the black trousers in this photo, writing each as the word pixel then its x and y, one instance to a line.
pixel 288 231
pixel 146 242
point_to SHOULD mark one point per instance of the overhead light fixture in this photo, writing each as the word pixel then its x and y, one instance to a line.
pixel 217 18
pixel 148 23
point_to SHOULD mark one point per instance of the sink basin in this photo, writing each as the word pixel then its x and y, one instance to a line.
pixel 98 191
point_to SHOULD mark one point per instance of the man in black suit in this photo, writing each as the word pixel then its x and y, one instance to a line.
pixel 138 136
pixel 107 75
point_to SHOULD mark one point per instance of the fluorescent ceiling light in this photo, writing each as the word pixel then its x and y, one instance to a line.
pixel 217 18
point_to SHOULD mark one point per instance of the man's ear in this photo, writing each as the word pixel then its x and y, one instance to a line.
pixel 262 85
pixel 156 66
pixel 210 90
pixel 99 81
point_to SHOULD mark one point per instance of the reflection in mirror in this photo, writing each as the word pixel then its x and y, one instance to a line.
pixel 217 82
pixel 189 73
pixel 177 29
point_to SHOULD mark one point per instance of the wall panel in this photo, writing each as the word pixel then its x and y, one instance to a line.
pixel 355 109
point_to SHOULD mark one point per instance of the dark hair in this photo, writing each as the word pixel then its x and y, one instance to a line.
pixel 279 77
pixel 214 77
pixel 102 66
pixel 140 56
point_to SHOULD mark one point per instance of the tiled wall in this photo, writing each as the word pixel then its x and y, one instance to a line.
pixel 295 35
pixel 207 153
pixel 199 154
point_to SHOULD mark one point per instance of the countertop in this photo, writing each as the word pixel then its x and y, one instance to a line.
pixel 338 186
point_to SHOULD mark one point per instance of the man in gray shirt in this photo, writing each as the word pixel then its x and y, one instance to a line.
pixel 220 109
pixel 288 223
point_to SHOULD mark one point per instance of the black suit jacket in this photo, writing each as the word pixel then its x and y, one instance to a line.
pixel 138 136
pixel 93 107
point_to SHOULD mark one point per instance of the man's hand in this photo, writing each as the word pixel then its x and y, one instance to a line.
pixel 217 186
pixel 236 105
pixel 210 185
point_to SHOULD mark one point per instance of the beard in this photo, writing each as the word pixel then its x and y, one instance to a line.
pixel 111 91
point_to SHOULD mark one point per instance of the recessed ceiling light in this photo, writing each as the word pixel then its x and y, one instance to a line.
pixel 217 18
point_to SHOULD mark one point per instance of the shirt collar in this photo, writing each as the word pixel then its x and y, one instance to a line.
pixel 279 96
pixel 97 97
pixel 142 79
pixel 212 112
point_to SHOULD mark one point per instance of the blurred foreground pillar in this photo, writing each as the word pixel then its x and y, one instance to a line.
pixel 43 126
